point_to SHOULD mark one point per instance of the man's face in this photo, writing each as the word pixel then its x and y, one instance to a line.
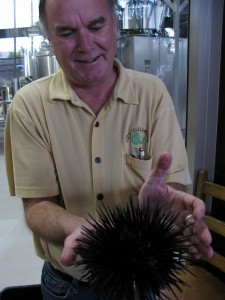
pixel 83 35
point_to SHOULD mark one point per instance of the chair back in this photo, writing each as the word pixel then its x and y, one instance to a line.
pixel 203 188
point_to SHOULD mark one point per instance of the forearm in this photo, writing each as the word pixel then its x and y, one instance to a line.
pixel 49 220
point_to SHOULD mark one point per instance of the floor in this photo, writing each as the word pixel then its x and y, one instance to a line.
pixel 19 264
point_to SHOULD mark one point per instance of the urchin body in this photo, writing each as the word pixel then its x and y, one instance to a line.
pixel 133 253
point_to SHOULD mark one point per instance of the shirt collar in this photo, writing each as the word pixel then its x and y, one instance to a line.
pixel 60 89
pixel 124 90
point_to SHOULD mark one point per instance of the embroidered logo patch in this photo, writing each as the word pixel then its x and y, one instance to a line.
pixel 137 136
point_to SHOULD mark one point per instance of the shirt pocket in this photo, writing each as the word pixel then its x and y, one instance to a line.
pixel 135 172
pixel 139 168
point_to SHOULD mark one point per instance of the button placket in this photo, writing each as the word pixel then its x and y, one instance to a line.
pixel 98 163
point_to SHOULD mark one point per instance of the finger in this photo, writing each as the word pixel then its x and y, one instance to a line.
pixel 68 255
pixel 162 165
pixel 157 175
pixel 202 250
pixel 200 239
pixel 189 219
pixel 206 236
pixel 193 205
pixel 203 232
pixel 192 243
pixel 208 252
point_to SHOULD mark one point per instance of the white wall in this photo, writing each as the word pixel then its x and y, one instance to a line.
pixel 206 18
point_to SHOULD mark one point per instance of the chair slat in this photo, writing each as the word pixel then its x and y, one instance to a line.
pixel 215 225
pixel 214 190
pixel 217 261
pixel 206 188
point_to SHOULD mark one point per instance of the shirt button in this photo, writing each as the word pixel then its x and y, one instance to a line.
pixel 100 197
pixel 97 124
pixel 98 160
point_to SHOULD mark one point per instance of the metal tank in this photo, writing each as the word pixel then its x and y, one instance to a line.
pixel 46 65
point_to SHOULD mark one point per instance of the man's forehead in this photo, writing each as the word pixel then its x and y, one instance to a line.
pixel 64 13
pixel 76 2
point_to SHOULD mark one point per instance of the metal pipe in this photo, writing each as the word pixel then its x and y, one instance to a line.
pixel 14 56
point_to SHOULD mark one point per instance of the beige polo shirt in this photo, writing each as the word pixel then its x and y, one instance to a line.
pixel 55 145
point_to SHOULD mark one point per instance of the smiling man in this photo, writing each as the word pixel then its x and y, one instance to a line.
pixel 85 46
pixel 73 141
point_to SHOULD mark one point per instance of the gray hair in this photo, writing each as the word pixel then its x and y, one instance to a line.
pixel 43 15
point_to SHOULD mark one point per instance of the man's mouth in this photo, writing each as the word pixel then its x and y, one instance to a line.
pixel 87 61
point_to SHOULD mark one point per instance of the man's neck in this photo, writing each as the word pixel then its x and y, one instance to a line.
pixel 97 96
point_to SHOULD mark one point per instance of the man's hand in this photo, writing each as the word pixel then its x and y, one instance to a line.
pixel 68 255
pixel 155 190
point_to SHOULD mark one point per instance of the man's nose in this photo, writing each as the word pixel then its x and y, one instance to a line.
pixel 84 41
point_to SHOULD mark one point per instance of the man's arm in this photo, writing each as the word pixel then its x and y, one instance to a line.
pixel 52 222
pixel 156 189
pixel 48 220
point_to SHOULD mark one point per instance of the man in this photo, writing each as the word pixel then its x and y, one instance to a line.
pixel 72 142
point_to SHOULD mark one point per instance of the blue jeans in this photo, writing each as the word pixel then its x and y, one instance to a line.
pixel 54 288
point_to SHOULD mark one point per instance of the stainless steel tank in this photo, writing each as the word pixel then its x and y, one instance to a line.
pixel 46 65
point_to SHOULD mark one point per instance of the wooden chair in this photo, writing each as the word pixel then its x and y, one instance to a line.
pixel 206 285
pixel 203 188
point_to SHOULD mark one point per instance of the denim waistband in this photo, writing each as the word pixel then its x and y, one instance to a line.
pixel 65 277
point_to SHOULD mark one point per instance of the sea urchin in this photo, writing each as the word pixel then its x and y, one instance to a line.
pixel 132 253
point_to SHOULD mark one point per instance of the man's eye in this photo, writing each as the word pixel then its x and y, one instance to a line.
pixel 95 28
pixel 66 33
